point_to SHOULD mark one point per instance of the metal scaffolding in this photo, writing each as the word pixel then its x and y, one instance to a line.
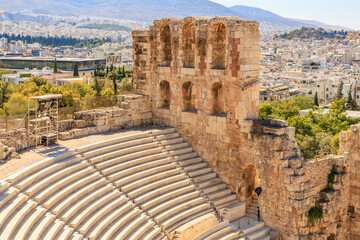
pixel 44 111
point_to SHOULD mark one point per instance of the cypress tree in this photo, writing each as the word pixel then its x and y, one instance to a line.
pixel 55 67
pixel 97 86
pixel 316 100
pixel 351 102
pixel 349 99
pixel 115 86
pixel 113 76
pixel 76 70
pixel 339 94
pixel 124 70
pixel 354 104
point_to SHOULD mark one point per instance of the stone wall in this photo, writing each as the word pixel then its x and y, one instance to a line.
pixel 133 110
pixel 291 186
pixel 201 75
pixel 350 146
pixel 333 199
pixel 17 139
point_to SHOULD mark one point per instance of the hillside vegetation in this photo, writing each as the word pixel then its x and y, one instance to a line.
pixel 56 41
pixel 106 26
pixel 316 133
pixel 312 33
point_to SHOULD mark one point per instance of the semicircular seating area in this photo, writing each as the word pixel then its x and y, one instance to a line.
pixel 142 186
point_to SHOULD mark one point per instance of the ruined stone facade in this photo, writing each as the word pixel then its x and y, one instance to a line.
pixel 350 147
pixel 201 76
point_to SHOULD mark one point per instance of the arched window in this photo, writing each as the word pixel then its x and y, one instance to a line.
pixel 218 41
pixel 188 45
pixel 189 96
pixel 218 99
pixel 165 46
pixel 165 94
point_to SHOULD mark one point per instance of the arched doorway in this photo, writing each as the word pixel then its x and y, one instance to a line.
pixel 218 99
pixel 189 96
pixel 251 180
pixel 165 94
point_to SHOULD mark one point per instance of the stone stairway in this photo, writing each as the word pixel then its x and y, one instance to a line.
pixel 141 186
pixel 252 210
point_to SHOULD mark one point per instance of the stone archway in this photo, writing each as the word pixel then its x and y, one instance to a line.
pixel 218 42
pixel 189 96
pixel 165 55
pixel 165 94
pixel 251 181
pixel 188 45
pixel 218 99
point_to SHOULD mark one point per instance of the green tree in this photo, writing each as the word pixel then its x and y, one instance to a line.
pixel 316 100
pixel 317 132
pixel 6 90
pixel 46 88
pixel 39 81
pixel 97 86
pixel 76 70
pixel 354 105
pixel 339 93
pixel 113 75
pixel 17 104
pixel 55 67
pixel 266 110
pixel 349 102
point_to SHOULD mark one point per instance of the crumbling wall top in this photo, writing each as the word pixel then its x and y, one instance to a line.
pixel 227 21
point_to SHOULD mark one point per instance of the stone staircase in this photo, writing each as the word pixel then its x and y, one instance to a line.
pixel 252 210
pixel 141 186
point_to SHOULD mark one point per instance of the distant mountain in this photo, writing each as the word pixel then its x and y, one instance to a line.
pixel 322 25
pixel 253 11
pixel 264 16
pixel 148 10
pixel 17 17
pixel 143 10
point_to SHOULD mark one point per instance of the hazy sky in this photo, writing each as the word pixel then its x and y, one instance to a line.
pixel 336 12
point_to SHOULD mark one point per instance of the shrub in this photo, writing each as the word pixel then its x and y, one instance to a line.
pixel 314 215
pixel 17 104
